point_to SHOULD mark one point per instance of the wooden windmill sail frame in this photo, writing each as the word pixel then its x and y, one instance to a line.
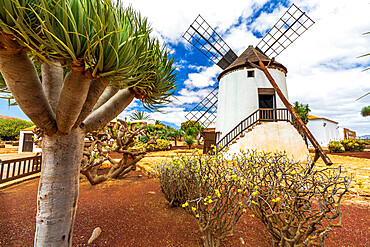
pixel 290 26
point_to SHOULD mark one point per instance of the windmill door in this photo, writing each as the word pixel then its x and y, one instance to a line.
pixel 27 143
pixel 267 103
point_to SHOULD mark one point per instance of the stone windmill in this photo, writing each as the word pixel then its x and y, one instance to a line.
pixel 250 105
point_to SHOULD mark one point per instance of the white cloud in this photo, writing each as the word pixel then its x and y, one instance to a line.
pixel 204 78
pixel 171 19
pixel 189 96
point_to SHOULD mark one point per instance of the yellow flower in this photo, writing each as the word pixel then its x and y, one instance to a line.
pixel 276 199
pixel 185 204
pixel 244 210
pixel 193 208
pixel 197 215
pixel 251 215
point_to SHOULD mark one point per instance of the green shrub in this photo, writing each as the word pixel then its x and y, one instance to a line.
pixel 10 128
pixel 143 139
pixel 159 146
pixel 189 140
pixel 335 147
pixel 354 145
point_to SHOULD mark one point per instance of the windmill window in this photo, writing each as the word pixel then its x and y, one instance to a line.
pixel 250 73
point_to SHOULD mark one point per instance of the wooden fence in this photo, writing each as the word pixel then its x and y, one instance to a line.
pixel 17 168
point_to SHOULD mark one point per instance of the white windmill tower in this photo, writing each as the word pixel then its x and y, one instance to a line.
pixel 250 105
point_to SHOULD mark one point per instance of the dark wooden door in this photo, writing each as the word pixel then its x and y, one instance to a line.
pixel 27 143
pixel 266 104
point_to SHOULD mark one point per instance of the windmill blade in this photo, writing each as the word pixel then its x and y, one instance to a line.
pixel 203 37
pixel 205 112
pixel 290 26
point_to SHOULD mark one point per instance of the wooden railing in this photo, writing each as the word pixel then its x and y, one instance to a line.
pixel 260 115
pixel 17 168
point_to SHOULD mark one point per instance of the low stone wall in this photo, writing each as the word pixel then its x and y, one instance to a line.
pixel 272 137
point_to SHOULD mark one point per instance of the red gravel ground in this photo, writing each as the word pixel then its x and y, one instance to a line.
pixel 133 212
pixel 363 154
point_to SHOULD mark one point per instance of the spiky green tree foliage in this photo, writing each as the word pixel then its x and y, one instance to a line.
pixel 96 57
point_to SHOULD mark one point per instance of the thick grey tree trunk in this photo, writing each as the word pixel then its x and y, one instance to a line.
pixel 58 188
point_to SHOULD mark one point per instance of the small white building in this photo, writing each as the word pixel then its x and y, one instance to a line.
pixel 26 143
pixel 324 130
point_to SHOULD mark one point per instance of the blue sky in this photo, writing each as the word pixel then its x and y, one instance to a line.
pixel 323 65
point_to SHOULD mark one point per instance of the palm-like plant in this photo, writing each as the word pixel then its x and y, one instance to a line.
pixel 139 115
pixel 96 57
pixel 365 111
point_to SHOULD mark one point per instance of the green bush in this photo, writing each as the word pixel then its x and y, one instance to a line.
pixel 189 140
pixel 143 139
pixel 354 145
pixel 159 146
pixel 10 128
pixel 335 147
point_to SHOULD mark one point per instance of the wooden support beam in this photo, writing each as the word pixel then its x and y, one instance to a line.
pixel 305 130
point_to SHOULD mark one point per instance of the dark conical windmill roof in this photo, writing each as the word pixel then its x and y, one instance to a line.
pixel 253 55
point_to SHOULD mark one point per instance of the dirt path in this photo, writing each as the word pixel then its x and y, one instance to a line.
pixel 133 212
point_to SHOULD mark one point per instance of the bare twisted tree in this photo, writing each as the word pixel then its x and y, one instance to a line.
pixel 119 138
pixel 298 206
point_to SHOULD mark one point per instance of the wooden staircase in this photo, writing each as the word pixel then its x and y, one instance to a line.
pixel 260 115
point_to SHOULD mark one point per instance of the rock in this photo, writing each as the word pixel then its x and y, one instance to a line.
pixel 94 235
pixel 242 240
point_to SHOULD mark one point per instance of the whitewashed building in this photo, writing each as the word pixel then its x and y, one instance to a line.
pixel 246 93
pixel 26 143
pixel 324 130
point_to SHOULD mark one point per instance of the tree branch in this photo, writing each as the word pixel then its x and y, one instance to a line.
pixel 96 89
pixel 52 82
pixel 109 110
pixel 24 83
pixel 108 93
pixel 72 98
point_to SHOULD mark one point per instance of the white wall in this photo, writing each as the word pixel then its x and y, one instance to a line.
pixel 21 139
pixel 238 96
pixel 324 131
pixel 273 137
